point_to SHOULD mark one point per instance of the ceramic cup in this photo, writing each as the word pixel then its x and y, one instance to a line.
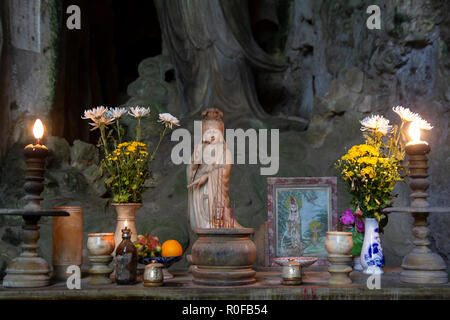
pixel 100 244
pixel 339 243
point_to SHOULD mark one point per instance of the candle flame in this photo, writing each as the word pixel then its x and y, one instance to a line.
pixel 414 132
pixel 38 129
pixel 125 224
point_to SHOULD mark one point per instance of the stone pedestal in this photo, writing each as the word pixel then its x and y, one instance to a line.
pixel 340 269
pixel 100 270
pixel 223 257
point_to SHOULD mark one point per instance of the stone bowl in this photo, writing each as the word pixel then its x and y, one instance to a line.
pixel 339 243
pixel 100 244
pixel 303 261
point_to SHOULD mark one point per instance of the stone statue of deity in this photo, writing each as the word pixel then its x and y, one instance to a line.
pixel 208 177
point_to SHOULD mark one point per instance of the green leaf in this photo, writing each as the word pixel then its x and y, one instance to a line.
pixel 358 239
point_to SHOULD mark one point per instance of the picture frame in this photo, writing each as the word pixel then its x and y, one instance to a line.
pixel 300 212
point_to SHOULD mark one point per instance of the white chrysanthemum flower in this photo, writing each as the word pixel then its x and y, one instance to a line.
pixel 423 124
pixel 105 119
pixel 376 123
pixel 168 120
pixel 94 113
pixel 117 113
pixel 405 114
pixel 139 112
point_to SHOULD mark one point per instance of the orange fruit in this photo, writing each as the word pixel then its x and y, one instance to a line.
pixel 171 248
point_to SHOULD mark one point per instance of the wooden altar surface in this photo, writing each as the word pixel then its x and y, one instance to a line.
pixel 267 287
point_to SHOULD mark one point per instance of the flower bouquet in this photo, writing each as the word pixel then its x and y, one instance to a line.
pixel 128 162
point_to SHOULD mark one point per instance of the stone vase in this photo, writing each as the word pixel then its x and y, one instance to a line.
pixel 372 257
pixel 67 241
pixel 223 257
pixel 125 212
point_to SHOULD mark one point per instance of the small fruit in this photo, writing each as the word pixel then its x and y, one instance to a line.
pixel 171 248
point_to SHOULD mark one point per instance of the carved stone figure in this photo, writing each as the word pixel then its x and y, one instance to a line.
pixel 213 52
pixel 208 176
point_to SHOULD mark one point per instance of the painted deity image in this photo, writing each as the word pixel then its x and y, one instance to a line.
pixel 302 221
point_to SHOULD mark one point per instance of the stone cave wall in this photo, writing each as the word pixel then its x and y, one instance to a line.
pixel 337 72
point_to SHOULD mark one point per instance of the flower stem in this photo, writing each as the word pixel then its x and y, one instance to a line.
pixel 103 135
pixel 138 130
pixel 118 131
pixel 161 136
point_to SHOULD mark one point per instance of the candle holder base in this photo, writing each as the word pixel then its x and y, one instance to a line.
pixel 424 268
pixel 424 277
pixel 27 272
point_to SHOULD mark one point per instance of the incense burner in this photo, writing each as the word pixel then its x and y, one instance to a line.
pixel 224 257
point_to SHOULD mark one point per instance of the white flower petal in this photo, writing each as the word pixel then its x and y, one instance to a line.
pixel 95 113
pixel 423 124
pixel 376 123
pixel 405 114
pixel 168 120
pixel 117 113
pixel 139 112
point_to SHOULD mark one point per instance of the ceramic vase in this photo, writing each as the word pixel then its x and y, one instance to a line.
pixel 125 211
pixel 372 257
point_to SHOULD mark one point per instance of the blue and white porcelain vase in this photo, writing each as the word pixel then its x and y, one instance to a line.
pixel 372 257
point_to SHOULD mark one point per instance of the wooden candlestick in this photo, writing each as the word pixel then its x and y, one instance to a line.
pixel 29 270
pixel 34 175
pixel 421 265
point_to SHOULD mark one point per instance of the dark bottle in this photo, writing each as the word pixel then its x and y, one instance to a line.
pixel 126 260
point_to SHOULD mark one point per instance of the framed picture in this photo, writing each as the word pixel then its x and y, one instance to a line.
pixel 300 212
